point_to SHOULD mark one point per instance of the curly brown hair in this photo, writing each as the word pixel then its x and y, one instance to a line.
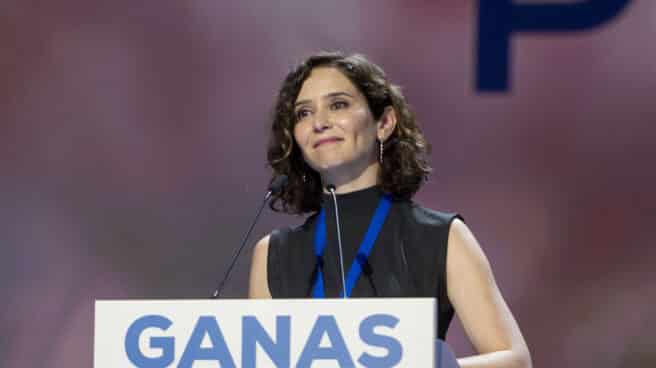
pixel 404 166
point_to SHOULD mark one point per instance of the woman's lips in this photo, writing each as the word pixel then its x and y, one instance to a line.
pixel 326 141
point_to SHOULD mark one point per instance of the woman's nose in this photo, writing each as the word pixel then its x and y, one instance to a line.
pixel 321 121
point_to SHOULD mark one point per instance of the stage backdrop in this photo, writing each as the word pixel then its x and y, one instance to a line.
pixel 132 154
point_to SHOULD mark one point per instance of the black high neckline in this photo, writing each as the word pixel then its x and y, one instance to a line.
pixel 360 196
pixel 355 208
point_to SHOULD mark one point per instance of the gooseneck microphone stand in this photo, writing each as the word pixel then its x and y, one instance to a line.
pixel 275 187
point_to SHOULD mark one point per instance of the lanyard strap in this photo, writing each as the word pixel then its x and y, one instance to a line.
pixel 366 245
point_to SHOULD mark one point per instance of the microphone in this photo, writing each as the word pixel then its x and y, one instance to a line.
pixel 276 185
pixel 331 189
pixel 274 188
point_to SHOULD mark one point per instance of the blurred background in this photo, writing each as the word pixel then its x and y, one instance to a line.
pixel 132 158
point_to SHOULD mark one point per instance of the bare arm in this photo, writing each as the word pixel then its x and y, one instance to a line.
pixel 258 286
pixel 484 314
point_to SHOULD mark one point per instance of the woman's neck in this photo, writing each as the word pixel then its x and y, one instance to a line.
pixel 345 182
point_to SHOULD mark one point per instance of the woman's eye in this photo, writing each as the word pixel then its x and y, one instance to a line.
pixel 338 105
pixel 300 114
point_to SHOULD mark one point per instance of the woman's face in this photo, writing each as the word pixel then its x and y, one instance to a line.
pixel 335 128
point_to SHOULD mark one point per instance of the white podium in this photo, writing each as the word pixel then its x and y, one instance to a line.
pixel 383 332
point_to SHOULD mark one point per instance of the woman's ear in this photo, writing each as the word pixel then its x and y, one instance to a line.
pixel 386 123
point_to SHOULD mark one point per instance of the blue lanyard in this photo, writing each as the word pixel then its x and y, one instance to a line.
pixel 367 244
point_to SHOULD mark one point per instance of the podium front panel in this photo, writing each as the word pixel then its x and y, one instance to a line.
pixel 265 333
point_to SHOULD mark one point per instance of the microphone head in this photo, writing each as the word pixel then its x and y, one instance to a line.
pixel 277 184
pixel 330 187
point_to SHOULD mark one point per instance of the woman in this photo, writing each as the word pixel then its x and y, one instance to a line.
pixel 338 122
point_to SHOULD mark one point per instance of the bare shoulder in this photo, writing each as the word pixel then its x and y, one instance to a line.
pixel 463 246
pixel 262 246
pixel 258 285
pixel 469 273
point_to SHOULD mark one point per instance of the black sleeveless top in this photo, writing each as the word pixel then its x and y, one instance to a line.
pixel 408 258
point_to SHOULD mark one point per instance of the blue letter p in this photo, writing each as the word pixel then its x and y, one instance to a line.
pixel 499 19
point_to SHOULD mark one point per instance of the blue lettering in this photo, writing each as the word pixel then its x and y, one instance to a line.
pixel 499 19
pixel 393 346
pixel 166 344
pixel 253 332
pixel 337 351
pixel 206 325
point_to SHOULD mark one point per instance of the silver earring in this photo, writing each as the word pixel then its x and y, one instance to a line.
pixel 380 157
pixel 304 178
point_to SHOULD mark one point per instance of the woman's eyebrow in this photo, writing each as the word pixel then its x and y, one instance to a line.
pixel 330 95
